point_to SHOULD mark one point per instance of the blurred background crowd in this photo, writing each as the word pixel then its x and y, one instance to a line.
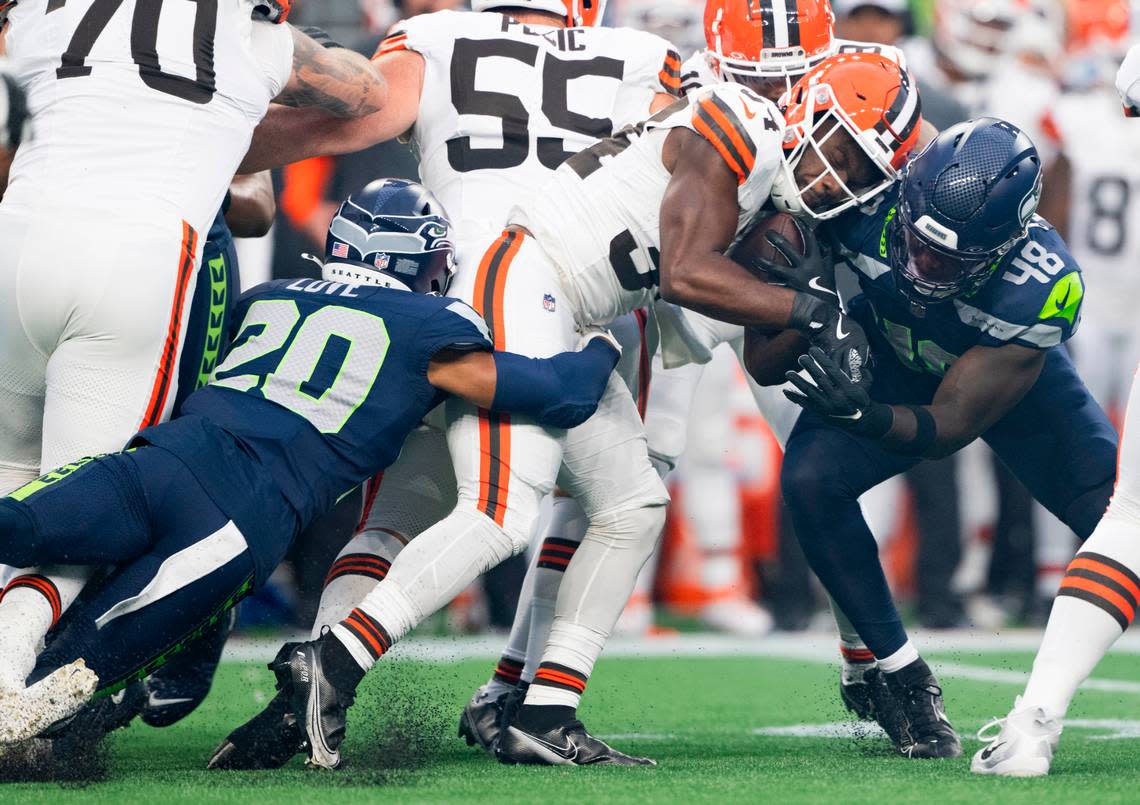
pixel 963 543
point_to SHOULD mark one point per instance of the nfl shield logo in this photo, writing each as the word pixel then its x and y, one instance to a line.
pixel 340 250
pixel 381 261
pixel 548 302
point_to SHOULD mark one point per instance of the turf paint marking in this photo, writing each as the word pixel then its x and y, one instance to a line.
pixel 1113 729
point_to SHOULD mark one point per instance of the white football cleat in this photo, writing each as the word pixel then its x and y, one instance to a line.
pixel 59 695
pixel 737 616
pixel 1023 746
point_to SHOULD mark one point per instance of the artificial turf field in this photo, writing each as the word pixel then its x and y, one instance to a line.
pixel 723 728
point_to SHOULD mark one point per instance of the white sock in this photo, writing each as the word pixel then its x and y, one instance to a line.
pixel 593 592
pixel 434 568
pixel 360 566
pixel 1096 603
pixel 566 666
pixel 32 603
pixel 900 659
pixel 853 652
pixel 568 524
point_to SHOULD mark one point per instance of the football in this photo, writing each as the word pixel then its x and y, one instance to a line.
pixel 753 247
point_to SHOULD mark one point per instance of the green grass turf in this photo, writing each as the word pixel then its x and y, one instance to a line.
pixel 694 715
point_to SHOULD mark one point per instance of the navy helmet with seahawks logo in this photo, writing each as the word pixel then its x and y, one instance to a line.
pixel 964 201
pixel 393 233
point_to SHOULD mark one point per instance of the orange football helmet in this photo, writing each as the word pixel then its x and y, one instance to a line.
pixel 868 97
pixel 751 39
pixel 578 13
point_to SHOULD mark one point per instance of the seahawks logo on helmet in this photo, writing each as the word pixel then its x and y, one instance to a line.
pixel 393 233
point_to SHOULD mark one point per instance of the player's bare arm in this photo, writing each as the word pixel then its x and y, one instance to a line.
pixel 336 80
pixel 977 392
pixel 980 388
pixel 252 205
pixel 288 134
pixel 698 222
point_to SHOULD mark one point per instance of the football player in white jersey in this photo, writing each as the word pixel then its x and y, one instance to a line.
pixel 1097 600
pixel 494 100
pixel 145 109
pixel 739 28
pixel 655 205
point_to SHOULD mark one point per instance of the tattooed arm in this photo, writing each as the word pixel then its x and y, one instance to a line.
pixel 336 80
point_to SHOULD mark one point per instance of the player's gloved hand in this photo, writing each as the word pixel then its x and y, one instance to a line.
pixel 273 10
pixel 812 272
pixel 835 333
pixel 827 391
pixel 320 36
pixel 1128 82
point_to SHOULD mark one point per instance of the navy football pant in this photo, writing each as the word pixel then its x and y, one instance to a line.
pixel 1057 441
pixel 180 563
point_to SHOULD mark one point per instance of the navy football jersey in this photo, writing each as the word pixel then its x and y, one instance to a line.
pixel 1032 298
pixel 320 386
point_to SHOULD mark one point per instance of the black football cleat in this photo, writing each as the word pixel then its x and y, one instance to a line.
pixel 271 738
pixel 321 708
pixel 565 745
pixel 924 729
pixel 175 690
pixel 856 696
pixel 479 722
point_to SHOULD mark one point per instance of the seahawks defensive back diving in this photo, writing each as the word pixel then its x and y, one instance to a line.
pixel 322 382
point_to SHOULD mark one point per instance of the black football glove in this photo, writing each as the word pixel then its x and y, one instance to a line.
pixel 831 394
pixel 838 335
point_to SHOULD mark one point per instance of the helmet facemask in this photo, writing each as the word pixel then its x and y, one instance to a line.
pixel 931 273
pixel 827 146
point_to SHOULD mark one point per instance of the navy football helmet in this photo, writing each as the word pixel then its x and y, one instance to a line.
pixel 963 203
pixel 393 233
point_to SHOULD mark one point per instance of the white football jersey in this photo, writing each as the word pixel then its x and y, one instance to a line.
pixel 505 103
pixel 1103 150
pixel 142 108
pixel 599 217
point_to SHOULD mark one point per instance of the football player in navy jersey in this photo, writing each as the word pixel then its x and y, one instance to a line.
pixel 966 297
pixel 322 382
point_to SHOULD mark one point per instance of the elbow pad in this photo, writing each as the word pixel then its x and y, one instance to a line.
pixel 560 392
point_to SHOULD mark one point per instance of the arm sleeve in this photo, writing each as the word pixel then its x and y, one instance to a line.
pixel 456 327
pixel 560 392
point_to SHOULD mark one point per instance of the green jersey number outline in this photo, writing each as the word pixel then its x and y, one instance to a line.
pixel 288 383
pixel 921 356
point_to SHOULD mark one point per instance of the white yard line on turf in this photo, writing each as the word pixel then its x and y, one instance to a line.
pixel 814 647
